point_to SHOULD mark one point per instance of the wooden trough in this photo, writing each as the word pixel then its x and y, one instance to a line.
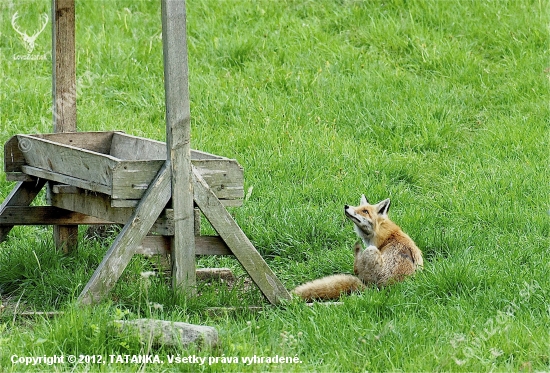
pixel 113 163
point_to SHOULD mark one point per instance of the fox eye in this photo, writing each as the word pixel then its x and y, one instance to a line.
pixel 366 212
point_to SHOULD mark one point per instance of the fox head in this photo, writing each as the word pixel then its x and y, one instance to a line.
pixel 367 217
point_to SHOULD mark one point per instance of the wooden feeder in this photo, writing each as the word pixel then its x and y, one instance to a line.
pixel 151 187
pixel 112 163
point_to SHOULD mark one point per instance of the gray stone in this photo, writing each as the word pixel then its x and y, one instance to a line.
pixel 161 332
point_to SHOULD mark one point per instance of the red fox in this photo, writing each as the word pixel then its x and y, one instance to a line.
pixel 390 255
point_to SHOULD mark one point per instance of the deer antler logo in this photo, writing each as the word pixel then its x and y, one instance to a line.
pixel 29 41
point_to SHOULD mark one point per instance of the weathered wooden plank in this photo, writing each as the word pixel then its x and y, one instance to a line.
pixel 99 206
pixel 94 141
pixel 130 179
pixel 224 176
pixel 127 179
pixel 18 176
pixel 237 242
pixel 154 245
pixel 197 224
pixel 140 160
pixel 64 65
pixel 68 160
pixel 65 188
pixel 134 148
pixel 45 215
pixel 22 194
pixel 64 179
pixel 64 93
pixel 15 147
pixel 118 256
pixel 178 335
pixel 204 245
pixel 211 245
pixel 116 144
pixel 178 139
pixel 13 155
pixel 134 202
pixel 124 203
pixel 81 157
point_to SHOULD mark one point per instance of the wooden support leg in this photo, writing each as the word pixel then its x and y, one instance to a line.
pixel 21 195
pixel 65 238
pixel 124 247
pixel 237 241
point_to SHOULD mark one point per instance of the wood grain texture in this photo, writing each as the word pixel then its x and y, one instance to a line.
pixel 45 215
pixel 13 156
pixel 64 93
pixel 99 205
pixel 64 179
pixel 64 65
pixel 107 162
pixel 204 245
pixel 178 142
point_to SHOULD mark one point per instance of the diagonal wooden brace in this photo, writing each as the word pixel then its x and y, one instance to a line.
pixel 125 245
pixel 237 241
pixel 21 195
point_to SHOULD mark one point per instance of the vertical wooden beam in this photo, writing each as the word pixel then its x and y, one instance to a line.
pixel 64 92
pixel 178 135
pixel 64 66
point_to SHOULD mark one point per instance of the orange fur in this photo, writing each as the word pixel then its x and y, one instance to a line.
pixel 331 287
pixel 389 256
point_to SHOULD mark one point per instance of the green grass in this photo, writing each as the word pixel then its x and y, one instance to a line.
pixel 441 106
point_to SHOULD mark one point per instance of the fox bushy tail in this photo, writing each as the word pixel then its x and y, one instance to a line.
pixel 329 288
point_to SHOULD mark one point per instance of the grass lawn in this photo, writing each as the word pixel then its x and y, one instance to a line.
pixel 442 106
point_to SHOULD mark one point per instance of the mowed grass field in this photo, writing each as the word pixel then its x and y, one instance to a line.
pixel 442 106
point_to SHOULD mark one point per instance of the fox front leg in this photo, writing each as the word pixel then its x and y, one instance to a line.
pixel 368 264
pixel 370 252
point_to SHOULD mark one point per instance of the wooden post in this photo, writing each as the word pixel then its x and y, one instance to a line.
pixel 64 93
pixel 178 135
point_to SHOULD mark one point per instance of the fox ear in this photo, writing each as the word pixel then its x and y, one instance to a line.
pixel 383 207
pixel 363 201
